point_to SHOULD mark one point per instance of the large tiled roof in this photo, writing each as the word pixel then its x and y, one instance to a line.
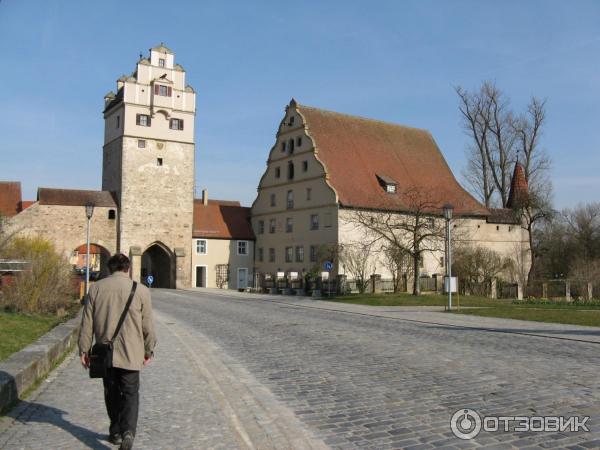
pixel 10 198
pixel 221 219
pixel 358 153
pixel 75 197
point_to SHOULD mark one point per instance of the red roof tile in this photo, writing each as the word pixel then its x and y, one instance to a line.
pixel 356 151
pixel 10 198
pixel 519 188
pixel 75 197
pixel 221 219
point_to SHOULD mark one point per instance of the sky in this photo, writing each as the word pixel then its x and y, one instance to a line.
pixel 397 61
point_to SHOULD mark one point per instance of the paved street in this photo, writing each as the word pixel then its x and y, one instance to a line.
pixel 242 371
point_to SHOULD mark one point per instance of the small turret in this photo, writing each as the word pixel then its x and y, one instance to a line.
pixel 519 188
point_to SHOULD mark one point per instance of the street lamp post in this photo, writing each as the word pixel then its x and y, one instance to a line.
pixel 89 212
pixel 448 209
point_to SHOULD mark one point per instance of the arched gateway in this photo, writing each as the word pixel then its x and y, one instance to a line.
pixel 159 262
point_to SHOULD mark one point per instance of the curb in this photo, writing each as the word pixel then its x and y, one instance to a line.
pixel 23 369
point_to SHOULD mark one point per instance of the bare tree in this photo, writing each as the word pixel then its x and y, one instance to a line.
pixel 358 261
pixel 398 262
pixel 498 136
pixel 416 230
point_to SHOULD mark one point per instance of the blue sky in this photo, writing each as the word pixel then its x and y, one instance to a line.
pixel 392 60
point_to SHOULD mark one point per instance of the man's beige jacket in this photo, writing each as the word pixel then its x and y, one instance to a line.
pixel 106 301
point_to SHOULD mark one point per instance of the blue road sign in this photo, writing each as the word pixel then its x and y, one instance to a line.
pixel 328 266
pixel 150 280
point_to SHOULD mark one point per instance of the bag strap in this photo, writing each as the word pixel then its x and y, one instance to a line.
pixel 124 313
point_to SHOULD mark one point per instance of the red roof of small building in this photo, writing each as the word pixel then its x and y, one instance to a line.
pixel 75 197
pixel 519 188
pixel 358 153
pixel 10 198
pixel 94 249
pixel 221 219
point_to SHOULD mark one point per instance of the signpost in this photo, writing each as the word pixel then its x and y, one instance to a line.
pixel 328 266
pixel 149 280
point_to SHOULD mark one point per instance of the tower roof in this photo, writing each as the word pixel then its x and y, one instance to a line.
pixel 519 188
pixel 162 48
pixel 357 153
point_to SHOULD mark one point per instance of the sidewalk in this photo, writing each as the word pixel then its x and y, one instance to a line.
pixel 432 315
pixel 189 400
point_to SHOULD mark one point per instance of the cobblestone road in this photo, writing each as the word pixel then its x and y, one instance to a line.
pixel 235 372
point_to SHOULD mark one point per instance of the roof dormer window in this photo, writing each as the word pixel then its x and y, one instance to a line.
pixel 388 183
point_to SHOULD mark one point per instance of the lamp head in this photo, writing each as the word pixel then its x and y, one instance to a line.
pixel 89 210
pixel 448 209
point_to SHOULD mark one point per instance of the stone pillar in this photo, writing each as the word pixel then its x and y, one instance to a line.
pixel 375 283
pixel 568 291
pixel 590 291
pixel 544 290
pixel 519 291
pixel 181 274
pixel 494 288
pixel 135 257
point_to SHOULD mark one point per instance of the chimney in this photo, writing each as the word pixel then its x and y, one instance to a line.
pixel 204 197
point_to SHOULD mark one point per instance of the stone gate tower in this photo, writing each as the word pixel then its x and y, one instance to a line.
pixel 148 161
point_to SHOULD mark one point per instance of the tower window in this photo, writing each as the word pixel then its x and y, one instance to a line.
pixel 304 166
pixel 298 142
pixel 291 122
pixel 308 193
pixel 176 124
pixel 261 227
pixel 159 162
pixel 313 253
pixel 314 221
pixel 272 226
pixel 290 170
pixel 289 254
pixel 289 225
pixel 118 121
pixel 299 253
pixel 283 146
pixel 112 214
pixel 165 91
pixel 291 145
pixel 142 120
pixel 141 143
pixel 161 62
pixel 290 199
pixel 277 172
pixel 273 198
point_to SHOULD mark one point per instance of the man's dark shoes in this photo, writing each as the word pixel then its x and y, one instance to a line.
pixel 115 438
pixel 127 443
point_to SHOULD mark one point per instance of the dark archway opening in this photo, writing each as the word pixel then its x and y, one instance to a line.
pixel 158 262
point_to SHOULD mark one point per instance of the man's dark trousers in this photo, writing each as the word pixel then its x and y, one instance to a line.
pixel 121 395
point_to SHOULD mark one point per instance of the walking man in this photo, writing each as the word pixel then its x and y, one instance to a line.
pixel 133 347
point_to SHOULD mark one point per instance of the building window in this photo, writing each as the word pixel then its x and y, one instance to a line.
pixel 273 200
pixel 298 142
pixel 299 253
pixel 430 222
pixel 313 253
pixel 242 247
pixel 291 145
pixel 390 188
pixel 283 146
pixel 261 227
pixel 176 124
pixel 201 247
pixel 165 91
pixel 314 221
pixel 304 166
pixel 112 214
pixel 161 62
pixel 497 228
pixel 159 162
pixel 289 225
pixel 118 121
pixel 308 193
pixel 272 226
pixel 277 172
pixel 260 254
pixel 290 199
pixel 327 220
pixel 142 120
pixel 290 170
pixel 141 143
pixel 291 122
pixel 271 255
pixel 289 254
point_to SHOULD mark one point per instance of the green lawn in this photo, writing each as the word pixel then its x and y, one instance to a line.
pixel 19 330
pixel 567 315
pixel 540 311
